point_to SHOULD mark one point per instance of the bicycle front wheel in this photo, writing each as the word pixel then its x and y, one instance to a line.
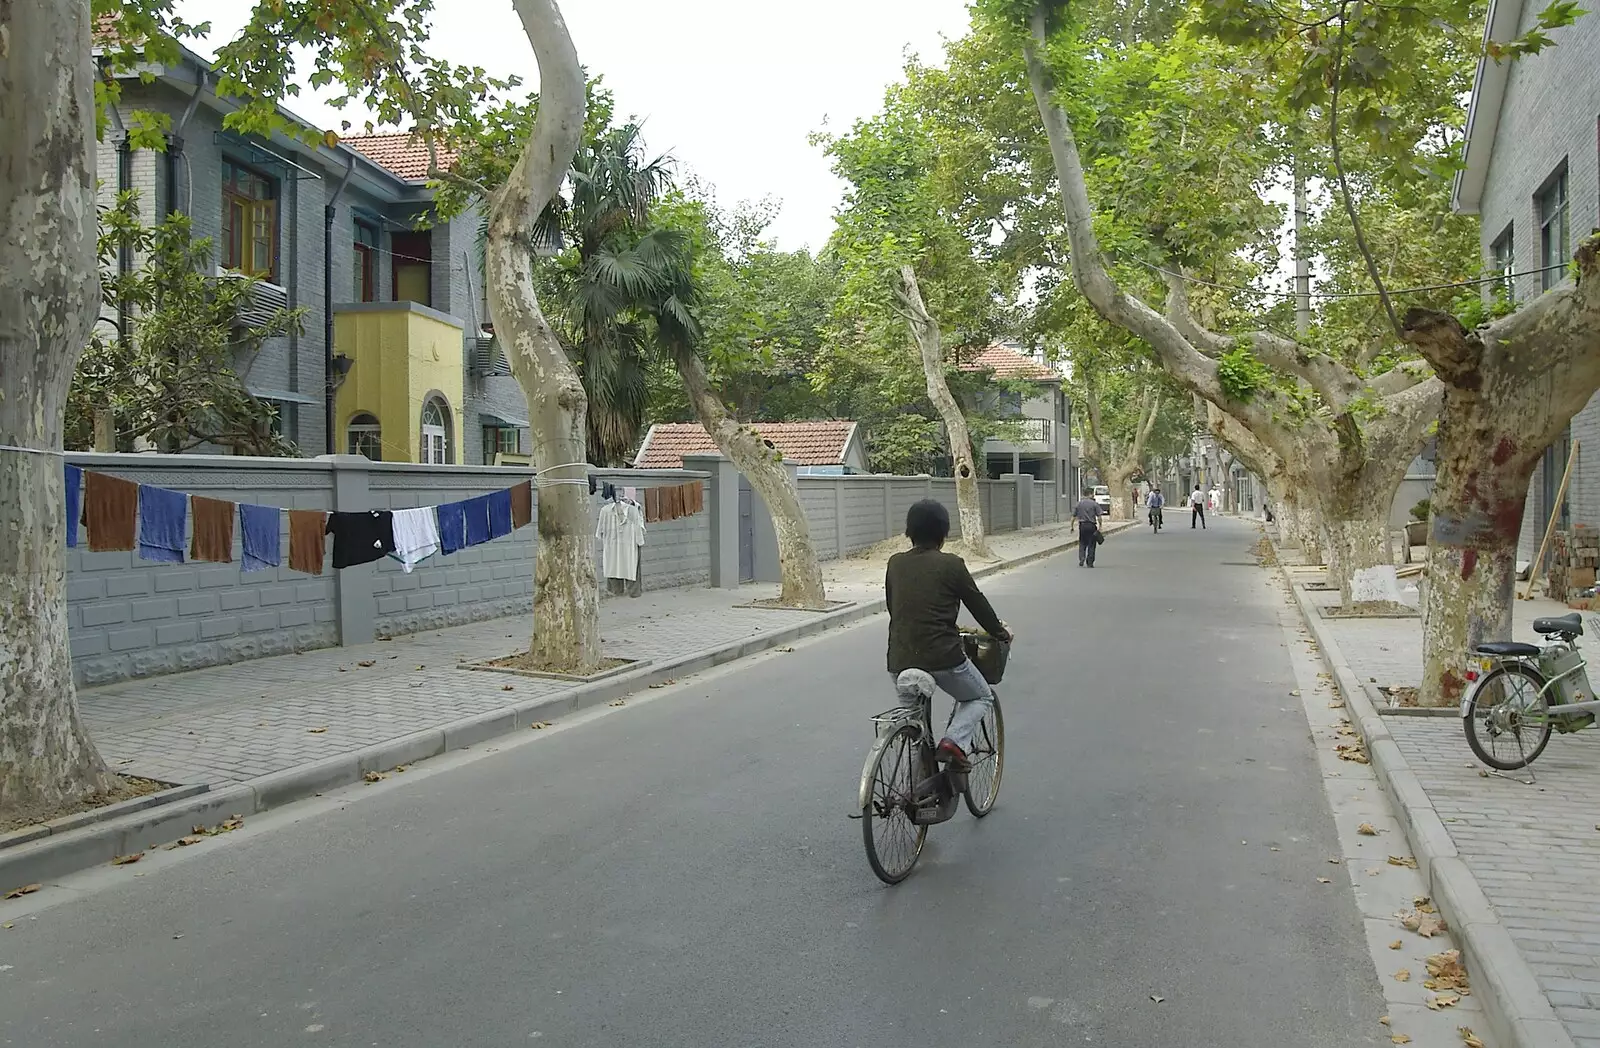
pixel 1508 720
pixel 988 756
pixel 893 841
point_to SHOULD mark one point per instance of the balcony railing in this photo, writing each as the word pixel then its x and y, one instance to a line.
pixel 1026 431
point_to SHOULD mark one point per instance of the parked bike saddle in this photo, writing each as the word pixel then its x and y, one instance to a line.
pixel 1569 624
pixel 1507 647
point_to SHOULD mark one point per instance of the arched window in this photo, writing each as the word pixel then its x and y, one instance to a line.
pixel 365 437
pixel 436 442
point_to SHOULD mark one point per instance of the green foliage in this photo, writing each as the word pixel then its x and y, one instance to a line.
pixel 1241 375
pixel 1422 509
pixel 1473 311
pixel 172 380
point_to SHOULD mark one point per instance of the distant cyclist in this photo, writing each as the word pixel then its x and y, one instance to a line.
pixel 1154 504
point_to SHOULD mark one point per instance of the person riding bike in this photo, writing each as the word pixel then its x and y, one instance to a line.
pixel 924 589
pixel 1154 503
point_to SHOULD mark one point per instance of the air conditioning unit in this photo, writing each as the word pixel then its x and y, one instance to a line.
pixel 486 357
pixel 264 300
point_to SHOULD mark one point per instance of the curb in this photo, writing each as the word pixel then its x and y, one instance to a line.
pixel 1519 1014
pixel 68 852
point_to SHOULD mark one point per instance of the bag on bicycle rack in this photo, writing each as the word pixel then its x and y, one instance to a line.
pixel 988 654
pixel 1574 688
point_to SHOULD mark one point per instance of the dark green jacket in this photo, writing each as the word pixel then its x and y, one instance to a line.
pixel 925 589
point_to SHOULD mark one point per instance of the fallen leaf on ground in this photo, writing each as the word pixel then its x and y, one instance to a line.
pixel 1157 998
pixel 127 860
pixel 232 822
pixel 193 838
pixel 1446 972
pixel 539 725
pixel 1366 830
pixel 1383 1020
pixel 1443 1000
pixel 1395 945
pixel 1426 925
pixel 1352 751
pixel 507 687
pixel 1400 1038
pixel 786 649
pixel 317 731
pixel 1403 860
pixel 665 683
pixel 373 776
pixel 1403 975
pixel 7 926
pixel 1324 880
pixel 1295 692
pixel 26 889
pixel 617 702
pixel 369 662
pixel 1468 1038
pixel 399 767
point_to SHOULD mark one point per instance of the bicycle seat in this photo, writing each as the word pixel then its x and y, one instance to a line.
pixel 1505 647
pixel 914 685
pixel 1571 625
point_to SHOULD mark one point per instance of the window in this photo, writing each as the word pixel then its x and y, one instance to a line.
pixel 366 262
pixel 366 437
pixel 413 267
pixel 435 432
pixel 1503 260
pixel 249 222
pixel 500 440
pixel 1551 205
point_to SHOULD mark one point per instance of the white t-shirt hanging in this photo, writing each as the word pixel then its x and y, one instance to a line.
pixel 416 535
pixel 621 534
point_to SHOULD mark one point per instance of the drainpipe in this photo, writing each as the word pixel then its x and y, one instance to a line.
pixel 328 387
pixel 175 144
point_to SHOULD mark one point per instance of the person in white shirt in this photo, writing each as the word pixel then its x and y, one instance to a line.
pixel 1197 508
pixel 1215 499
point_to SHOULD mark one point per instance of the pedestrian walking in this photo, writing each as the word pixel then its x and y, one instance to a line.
pixel 1087 514
pixel 1197 510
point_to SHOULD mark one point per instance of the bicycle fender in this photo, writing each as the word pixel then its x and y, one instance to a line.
pixel 1469 695
pixel 864 791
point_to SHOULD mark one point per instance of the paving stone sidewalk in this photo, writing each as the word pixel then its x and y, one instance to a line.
pixel 230 724
pixel 1535 850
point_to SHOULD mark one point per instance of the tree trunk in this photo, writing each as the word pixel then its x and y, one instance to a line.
pixel 760 461
pixel 566 600
pixel 969 502
pixel 49 296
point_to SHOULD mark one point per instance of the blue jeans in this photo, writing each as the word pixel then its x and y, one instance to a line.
pixel 974 699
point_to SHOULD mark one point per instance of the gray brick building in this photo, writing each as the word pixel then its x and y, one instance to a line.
pixel 326 226
pixel 1532 172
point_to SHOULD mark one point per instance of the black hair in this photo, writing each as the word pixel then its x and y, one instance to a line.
pixel 927 523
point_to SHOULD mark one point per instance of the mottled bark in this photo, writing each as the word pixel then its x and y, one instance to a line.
pixel 49 296
pixel 1511 389
pixel 969 501
pixel 566 609
pixel 762 463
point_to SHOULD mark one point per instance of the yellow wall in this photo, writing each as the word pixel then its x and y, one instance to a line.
pixel 401 355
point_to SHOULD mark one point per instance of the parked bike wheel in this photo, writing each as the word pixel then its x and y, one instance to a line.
pixel 893 842
pixel 988 756
pixel 1508 719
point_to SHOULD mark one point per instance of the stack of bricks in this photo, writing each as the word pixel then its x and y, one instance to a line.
pixel 1583 556
pixel 1555 586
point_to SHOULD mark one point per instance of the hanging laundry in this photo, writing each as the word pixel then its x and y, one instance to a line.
pixel 74 503
pixel 697 491
pixel 361 537
pixel 594 484
pixel 111 511
pixel 521 505
pixel 608 492
pixel 416 536
pixel 674 502
pixel 652 505
pixel 306 545
pixel 631 494
pixel 163 519
pixel 621 534
pixel 260 537
pixel 212 539
pixel 499 513
pixel 476 512
pixel 452 526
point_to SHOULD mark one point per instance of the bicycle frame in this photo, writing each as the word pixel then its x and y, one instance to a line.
pixel 1532 662
pixel 945 783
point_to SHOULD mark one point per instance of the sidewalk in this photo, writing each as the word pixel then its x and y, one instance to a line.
pixel 267 731
pixel 1534 851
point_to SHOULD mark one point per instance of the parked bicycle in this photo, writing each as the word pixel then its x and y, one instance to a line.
pixel 1520 693
pixel 904 790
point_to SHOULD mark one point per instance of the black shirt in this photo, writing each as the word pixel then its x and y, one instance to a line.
pixel 924 589
pixel 361 538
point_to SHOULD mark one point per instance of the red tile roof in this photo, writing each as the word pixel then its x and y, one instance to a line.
pixel 401 153
pixel 1004 362
pixel 803 443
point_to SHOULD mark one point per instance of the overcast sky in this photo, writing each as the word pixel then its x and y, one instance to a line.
pixel 731 88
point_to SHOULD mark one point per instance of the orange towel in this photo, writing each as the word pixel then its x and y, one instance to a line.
pixel 521 504
pixel 111 510
pixel 213 529
pixel 307 547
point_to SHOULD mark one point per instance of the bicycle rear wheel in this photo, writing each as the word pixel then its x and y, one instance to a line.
pixel 893 842
pixel 1508 719
pixel 987 755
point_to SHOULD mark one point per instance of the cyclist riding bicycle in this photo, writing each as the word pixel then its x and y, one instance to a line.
pixel 1155 502
pixel 924 588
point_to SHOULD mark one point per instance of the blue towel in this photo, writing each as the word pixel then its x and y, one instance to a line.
pixel 259 537
pixel 163 520
pixel 74 503
pixel 499 513
pixel 452 527
pixel 477 514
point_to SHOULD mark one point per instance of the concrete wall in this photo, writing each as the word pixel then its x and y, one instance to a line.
pixel 850 514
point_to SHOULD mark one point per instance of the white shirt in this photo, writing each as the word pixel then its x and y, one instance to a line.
pixel 1198 498
pixel 621 533
pixel 416 535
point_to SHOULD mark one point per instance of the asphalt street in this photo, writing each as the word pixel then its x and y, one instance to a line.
pixel 681 871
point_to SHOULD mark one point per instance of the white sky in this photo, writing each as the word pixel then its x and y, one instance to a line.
pixel 731 88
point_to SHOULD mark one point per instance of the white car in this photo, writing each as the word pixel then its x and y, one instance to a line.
pixel 1102 495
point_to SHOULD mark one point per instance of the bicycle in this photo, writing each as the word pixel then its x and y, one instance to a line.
pixel 903 790
pixel 1155 520
pixel 1512 687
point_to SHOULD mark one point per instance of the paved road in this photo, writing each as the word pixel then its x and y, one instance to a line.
pixel 682 871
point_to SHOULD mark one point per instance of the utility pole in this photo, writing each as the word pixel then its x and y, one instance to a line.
pixel 1302 264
